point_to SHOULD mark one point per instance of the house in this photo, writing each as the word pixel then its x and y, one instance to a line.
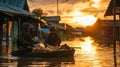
pixel 114 10
pixel 103 30
pixel 109 11
pixel 53 21
pixel 12 14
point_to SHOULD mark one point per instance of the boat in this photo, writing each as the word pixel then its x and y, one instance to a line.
pixel 49 61
pixel 46 53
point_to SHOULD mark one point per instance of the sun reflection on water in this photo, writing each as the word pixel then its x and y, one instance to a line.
pixel 86 53
pixel 87 46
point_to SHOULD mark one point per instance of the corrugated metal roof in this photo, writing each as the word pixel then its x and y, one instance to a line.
pixel 52 18
pixel 12 9
pixel 109 10
pixel 16 3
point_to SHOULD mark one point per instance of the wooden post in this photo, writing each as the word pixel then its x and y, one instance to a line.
pixel 1 36
pixel 13 22
pixel 19 27
pixel 7 35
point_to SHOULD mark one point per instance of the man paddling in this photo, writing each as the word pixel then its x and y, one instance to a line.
pixel 53 38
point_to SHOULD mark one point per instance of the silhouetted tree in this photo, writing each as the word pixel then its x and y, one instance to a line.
pixel 39 13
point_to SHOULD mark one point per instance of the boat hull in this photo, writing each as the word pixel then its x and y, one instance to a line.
pixel 57 53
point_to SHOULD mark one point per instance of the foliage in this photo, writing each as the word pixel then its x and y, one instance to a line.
pixel 39 12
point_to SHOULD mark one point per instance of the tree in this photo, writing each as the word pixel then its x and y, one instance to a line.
pixel 39 12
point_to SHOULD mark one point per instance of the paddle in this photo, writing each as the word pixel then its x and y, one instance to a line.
pixel 65 45
pixel 77 47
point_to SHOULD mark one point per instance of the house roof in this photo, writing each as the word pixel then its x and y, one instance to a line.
pixel 52 18
pixel 56 25
pixel 15 3
pixel 109 10
pixel 14 9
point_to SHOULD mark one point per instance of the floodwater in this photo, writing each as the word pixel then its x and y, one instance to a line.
pixel 87 54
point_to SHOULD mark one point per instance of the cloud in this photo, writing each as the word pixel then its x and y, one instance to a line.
pixel 68 9
pixel 95 7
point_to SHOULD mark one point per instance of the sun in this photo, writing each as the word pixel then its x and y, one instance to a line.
pixel 79 19
pixel 85 21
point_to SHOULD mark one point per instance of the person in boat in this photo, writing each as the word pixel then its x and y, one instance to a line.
pixel 25 40
pixel 34 36
pixel 53 38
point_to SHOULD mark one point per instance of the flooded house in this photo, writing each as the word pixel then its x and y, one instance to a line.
pixel 106 30
pixel 114 11
pixel 53 21
pixel 12 14
pixel 102 31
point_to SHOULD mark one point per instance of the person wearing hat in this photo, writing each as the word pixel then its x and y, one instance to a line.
pixel 53 38
pixel 25 40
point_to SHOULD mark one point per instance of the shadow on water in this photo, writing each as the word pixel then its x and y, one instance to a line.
pixel 45 62
pixel 34 62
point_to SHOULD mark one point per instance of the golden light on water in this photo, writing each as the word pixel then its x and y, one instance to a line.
pixel 86 53
pixel 86 44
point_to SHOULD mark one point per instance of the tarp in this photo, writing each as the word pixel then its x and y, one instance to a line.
pixel 44 30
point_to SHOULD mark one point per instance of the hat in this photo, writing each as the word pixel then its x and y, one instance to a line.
pixel 33 29
pixel 25 25
pixel 52 29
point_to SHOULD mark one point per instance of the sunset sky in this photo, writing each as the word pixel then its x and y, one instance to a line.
pixel 75 12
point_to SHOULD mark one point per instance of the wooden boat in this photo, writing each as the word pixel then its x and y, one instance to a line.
pixel 49 61
pixel 46 53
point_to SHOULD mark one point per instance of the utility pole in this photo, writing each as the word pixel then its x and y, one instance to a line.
pixel 114 32
pixel 57 8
